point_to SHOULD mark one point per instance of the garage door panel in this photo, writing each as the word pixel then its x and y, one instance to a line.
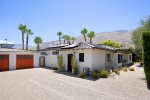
pixel 24 61
pixel 4 62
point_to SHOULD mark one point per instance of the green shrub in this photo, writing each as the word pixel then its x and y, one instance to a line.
pixel 125 69
pixel 146 54
pixel 82 75
pixel 74 65
pixel 95 74
pixel 131 69
pixel 103 73
pixel 60 63
pixel 116 71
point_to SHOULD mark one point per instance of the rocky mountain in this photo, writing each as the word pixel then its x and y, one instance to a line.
pixel 122 36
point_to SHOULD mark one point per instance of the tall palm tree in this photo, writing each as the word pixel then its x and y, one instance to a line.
pixel 22 28
pixel 65 38
pixel 68 38
pixel 84 31
pixel 73 39
pixel 28 32
pixel 91 35
pixel 38 41
pixel 59 34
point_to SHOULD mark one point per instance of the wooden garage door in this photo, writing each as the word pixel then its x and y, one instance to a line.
pixel 24 61
pixel 4 62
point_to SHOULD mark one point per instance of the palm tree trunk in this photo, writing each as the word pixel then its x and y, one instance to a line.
pixel 59 40
pixel 27 40
pixel 64 41
pixel 84 37
pixel 91 40
pixel 72 41
pixel 38 46
pixel 22 40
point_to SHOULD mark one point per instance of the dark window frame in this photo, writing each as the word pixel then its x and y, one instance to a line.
pixel 120 58
pixel 81 57
pixel 130 57
pixel 108 57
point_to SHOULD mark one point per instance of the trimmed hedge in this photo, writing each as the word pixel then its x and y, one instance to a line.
pixel 146 54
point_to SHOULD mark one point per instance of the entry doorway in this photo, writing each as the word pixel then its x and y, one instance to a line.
pixel 42 61
pixel 70 56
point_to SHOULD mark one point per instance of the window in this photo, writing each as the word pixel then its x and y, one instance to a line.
pixel 55 53
pixel 81 57
pixel 108 57
pixel 130 57
pixel 43 53
pixel 120 58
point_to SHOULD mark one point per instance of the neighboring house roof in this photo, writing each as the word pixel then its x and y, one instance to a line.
pixel 14 50
pixel 85 45
pixel 6 42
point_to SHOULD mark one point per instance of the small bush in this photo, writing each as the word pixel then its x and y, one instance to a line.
pixel 82 75
pixel 116 71
pixel 125 69
pixel 95 74
pixel 131 69
pixel 103 73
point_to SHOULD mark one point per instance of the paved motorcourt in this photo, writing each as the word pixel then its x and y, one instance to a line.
pixel 45 84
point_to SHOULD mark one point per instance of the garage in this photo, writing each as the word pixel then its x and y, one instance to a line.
pixel 24 61
pixel 4 62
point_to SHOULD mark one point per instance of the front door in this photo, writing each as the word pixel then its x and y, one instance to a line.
pixel 70 56
pixel 42 61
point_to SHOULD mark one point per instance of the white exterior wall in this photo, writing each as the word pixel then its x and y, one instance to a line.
pixel 87 58
pixel 51 60
pixel 129 61
pixel 98 59
pixel 115 60
pixel 12 58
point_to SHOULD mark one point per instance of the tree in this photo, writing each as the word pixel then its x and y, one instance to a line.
pixel 68 38
pixel 84 31
pixel 22 28
pixel 59 34
pixel 137 37
pixel 73 39
pixel 112 43
pixel 146 54
pixel 38 41
pixel 28 32
pixel 65 38
pixel 91 35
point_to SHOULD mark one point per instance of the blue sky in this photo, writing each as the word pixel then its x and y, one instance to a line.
pixel 46 17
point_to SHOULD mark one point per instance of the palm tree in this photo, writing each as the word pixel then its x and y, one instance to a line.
pixel 68 38
pixel 22 28
pixel 38 41
pixel 64 37
pixel 73 39
pixel 59 34
pixel 84 31
pixel 28 32
pixel 91 35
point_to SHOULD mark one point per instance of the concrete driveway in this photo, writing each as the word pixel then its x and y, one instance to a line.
pixel 44 84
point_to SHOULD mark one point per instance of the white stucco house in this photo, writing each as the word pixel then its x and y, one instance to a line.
pixel 92 56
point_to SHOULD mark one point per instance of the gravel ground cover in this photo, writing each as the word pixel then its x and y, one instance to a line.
pixel 45 84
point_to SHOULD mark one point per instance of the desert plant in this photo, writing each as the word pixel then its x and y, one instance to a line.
pixel 74 65
pixel 95 74
pixel 82 75
pixel 60 63
pixel 125 69
pixel 103 73
pixel 116 71
pixel 131 69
